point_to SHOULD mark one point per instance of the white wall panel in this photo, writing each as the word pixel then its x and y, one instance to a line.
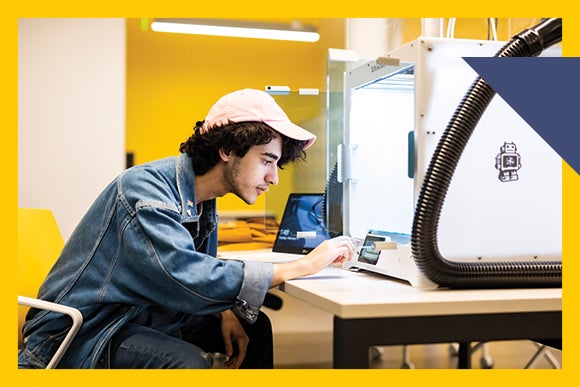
pixel 71 113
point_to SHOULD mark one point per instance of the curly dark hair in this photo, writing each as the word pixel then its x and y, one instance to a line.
pixel 237 137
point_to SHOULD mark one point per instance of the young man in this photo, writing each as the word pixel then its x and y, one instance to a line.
pixel 141 265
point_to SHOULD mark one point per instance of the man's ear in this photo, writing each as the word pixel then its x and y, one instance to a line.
pixel 224 156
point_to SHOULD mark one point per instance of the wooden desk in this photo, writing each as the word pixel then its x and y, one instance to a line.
pixel 370 309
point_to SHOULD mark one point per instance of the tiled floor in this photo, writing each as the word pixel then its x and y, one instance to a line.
pixel 303 339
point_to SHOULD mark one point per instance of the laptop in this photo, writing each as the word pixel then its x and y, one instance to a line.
pixel 301 230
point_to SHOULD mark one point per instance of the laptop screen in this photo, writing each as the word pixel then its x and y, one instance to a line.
pixel 301 228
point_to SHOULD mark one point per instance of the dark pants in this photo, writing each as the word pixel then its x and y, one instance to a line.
pixel 137 346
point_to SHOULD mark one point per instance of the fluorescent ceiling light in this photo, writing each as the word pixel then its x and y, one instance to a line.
pixel 237 28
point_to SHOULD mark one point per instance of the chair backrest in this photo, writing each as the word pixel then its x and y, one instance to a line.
pixel 39 245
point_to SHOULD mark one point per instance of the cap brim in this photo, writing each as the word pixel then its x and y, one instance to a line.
pixel 289 129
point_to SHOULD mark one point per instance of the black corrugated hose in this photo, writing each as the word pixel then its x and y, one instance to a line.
pixel 441 271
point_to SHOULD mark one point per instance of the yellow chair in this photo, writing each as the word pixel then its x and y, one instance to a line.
pixel 39 245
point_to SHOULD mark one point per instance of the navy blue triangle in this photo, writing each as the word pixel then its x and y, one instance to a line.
pixel 546 94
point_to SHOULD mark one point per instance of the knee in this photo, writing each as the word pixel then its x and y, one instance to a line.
pixel 185 356
pixel 195 359
pixel 144 348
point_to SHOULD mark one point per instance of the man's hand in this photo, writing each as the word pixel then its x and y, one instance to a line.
pixel 336 250
pixel 233 332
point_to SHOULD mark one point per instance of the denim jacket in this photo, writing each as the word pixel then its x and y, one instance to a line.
pixel 141 247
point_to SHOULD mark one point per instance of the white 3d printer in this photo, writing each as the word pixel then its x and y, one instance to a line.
pixel 503 205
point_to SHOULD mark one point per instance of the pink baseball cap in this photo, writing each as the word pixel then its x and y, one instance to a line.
pixel 254 105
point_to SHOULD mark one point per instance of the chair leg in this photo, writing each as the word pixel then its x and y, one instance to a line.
pixel 485 361
pixel 552 359
pixel 74 314
pixel 543 349
pixel 453 349
pixel 376 353
pixel 407 363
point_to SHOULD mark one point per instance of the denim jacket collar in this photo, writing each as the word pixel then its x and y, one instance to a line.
pixel 185 178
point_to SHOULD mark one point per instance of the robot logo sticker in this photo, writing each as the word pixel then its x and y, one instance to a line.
pixel 508 162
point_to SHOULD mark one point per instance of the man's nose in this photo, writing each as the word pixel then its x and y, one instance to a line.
pixel 272 177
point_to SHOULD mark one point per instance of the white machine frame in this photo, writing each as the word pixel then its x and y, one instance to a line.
pixel 387 149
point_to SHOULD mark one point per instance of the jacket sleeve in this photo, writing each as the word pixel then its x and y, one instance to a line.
pixel 160 253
